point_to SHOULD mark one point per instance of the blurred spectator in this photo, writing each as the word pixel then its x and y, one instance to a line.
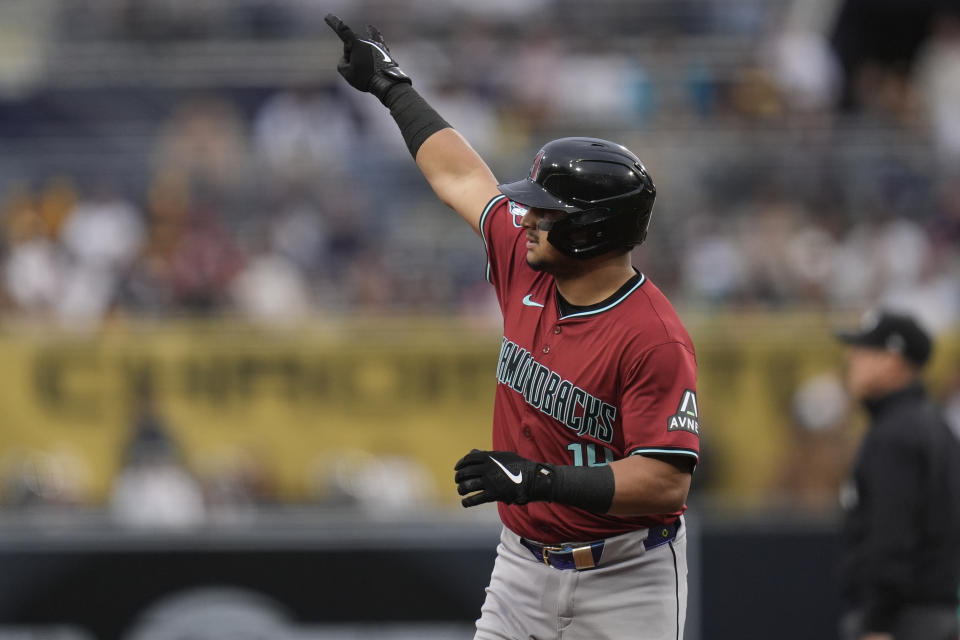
pixel 902 253
pixel 934 297
pixel 153 487
pixel 886 94
pixel 203 262
pixel 938 77
pixel 351 231
pixel 38 478
pixel 754 96
pixel 302 134
pixel 538 60
pixel 102 236
pixel 876 42
pixel 271 289
pixel 810 256
pixel 205 138
pixel 56 201
pixel 763 241
pixel 475 44
pixel 33 270
pixel 714 268
pixel 820 450
pixel 234 484
pixel 805 71
pixel 853 273
pixel 147 286
pixel 368 283
pixel 467 112
pixel 104 230
pixel 299 232
pixel 702 89
pixel 619 91
pixel 378 484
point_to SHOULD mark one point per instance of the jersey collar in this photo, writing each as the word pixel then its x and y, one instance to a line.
pixel 607 304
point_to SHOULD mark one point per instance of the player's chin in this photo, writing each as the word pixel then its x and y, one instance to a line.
pixel 537 263
pixel 543 258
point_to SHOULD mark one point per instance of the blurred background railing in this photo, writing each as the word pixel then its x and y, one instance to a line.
pixel 228 296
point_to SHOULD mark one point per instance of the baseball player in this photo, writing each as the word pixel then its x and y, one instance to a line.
pixel 596 428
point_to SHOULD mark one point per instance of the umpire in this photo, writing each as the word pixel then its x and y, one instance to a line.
pixel 901 532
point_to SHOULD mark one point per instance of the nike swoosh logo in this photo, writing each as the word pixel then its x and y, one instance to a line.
pixel 516 477
pixel 383 52
pixel 530 303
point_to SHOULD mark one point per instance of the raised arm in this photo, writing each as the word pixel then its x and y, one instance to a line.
pixel 457 174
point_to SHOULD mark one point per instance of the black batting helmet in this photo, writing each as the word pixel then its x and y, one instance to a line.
pixel 605 190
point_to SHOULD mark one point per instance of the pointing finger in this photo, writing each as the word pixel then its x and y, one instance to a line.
pixel 375 34
pixel 342 30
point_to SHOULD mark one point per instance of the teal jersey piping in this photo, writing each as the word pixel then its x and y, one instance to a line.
pixel 643 279
pixel 483 217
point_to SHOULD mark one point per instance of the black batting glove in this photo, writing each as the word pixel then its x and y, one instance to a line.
pixel 366 63
pixel 502 476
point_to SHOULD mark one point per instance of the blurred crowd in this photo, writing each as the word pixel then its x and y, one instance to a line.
pixel 786 176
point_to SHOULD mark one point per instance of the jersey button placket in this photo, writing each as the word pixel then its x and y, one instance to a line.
pixel 546 348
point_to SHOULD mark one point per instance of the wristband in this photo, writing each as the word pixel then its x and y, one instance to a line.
pixel 589 488
pixel 417 119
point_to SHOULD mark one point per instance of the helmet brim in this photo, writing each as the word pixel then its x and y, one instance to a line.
pixel 530 194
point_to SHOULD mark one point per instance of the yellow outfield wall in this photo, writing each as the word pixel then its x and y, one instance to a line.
pixel 294 399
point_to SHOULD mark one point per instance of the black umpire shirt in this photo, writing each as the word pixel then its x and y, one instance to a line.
pixel 901 531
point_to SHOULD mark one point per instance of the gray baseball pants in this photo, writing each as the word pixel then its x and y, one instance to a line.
pixel 633 592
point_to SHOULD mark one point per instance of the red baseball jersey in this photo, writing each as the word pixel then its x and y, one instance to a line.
pixel 588 388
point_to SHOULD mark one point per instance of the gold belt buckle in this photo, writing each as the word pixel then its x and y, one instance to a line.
pixel 546 553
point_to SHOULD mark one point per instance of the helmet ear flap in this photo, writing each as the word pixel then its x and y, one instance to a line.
pixel 590 233
pixel 583 234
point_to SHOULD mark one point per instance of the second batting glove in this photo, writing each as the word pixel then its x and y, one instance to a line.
pixel 502 476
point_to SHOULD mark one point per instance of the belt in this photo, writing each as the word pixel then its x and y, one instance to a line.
pixel 587 555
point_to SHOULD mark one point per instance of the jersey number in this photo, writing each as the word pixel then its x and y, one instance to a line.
pixel 590 460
